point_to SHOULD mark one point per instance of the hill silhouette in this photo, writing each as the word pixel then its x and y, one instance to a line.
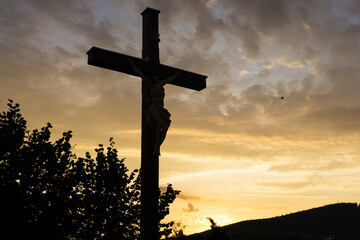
pixel 341 220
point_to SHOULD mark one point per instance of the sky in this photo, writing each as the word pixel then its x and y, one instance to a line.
pixel 236 149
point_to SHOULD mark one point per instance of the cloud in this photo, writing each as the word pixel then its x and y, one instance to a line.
pixel 219 104
pixel 339 163
pixel 190 208
pixel 310 181
pixel 188 197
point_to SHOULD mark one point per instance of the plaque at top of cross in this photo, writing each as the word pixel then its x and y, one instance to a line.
pixel 155 118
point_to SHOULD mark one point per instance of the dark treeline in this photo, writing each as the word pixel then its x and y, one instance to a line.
pixel 47 192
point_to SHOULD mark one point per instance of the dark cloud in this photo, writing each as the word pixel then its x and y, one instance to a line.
pixel 188 197
pixel 190 208
pixel 272 15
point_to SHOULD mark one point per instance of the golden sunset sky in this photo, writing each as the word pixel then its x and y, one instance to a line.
pixel 236 150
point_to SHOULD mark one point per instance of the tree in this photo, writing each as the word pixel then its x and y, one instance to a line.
pixel 217 233
pixel 177 232
pixel 47 192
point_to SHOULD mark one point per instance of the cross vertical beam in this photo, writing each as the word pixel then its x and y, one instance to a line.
pixel 149 66
pixel 150 35
pixel 149 218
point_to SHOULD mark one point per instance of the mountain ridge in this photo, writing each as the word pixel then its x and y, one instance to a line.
pixel 340 219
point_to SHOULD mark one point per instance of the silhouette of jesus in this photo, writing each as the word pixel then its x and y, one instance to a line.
pixel 156 113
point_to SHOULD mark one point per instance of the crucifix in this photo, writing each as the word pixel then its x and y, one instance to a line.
pixel 155 118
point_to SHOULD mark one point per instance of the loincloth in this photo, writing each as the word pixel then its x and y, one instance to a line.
pixel 165 115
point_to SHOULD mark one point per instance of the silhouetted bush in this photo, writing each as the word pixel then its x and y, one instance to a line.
pixel 217 233
pixel 47 192
pixel 177 232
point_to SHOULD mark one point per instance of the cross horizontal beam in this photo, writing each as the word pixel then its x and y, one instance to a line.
pixel 119 62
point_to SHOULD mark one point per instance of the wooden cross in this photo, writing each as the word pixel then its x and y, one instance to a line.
pixel 149 65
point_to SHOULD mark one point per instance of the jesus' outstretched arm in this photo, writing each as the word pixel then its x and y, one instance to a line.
pixel 170 79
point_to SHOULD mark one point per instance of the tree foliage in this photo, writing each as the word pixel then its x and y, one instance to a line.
pixel 178 232
pixel 47 192
pixel 217 233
